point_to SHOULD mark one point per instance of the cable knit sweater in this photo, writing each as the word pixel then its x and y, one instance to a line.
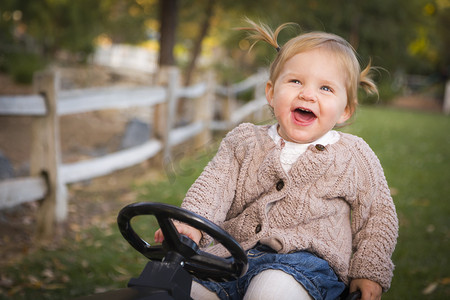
pixel 334 202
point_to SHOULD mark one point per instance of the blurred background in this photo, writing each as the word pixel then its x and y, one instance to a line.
pixel 408 38
pixel 103 43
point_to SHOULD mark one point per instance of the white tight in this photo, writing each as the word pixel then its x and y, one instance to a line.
pixel 269 284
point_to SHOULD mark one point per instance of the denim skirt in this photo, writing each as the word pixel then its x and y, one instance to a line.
pixel 314 273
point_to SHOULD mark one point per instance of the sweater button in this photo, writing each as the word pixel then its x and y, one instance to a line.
pixel 320 147
pixel 280 185
pixel 258 228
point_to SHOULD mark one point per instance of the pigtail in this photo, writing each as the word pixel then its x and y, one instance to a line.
pixel 262 32
pixel 366 82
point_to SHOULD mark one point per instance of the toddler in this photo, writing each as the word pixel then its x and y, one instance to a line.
pixel 310 205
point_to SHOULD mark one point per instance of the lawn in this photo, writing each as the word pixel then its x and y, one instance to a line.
pixel 414 149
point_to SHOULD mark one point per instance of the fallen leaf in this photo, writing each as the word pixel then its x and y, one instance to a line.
pixel 6 240
pixel 445 281
pixel 421 202
pixel 430 288
pixel 121 278
pixel 65 278
pixel 49 274
pixel 15 290
pixel 121 270
pixel 58 264
pixel 6 282
pixel 84 264
pixel 53 286
pixel 100 290
pixel 27 220
pixel 75 227
pixel 77 237
pixel 35 283
pixel 108 231
pixel 394 191
pixel 25 250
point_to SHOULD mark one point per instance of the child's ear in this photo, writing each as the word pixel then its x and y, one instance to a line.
pixel 269 92
pixel 348 112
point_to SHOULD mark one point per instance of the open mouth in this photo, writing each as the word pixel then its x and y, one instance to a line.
pixel 303 115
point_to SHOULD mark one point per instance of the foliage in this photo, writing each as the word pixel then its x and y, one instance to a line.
pixel 49 27
pixel 409 36
pixel 382 30
pixel 22 66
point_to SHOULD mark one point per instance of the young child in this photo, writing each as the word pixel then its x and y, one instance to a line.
pixel 310 205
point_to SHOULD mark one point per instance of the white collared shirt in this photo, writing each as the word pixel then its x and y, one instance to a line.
pixel 292 151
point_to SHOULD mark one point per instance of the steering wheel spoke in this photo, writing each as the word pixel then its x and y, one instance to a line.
pixel 156 252
pixel 170 232
pixel 209 260
pixel 212 267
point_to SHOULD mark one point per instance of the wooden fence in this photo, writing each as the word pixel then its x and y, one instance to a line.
pixel 49 176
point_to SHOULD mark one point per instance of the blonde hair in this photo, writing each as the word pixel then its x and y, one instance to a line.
pixel 344 52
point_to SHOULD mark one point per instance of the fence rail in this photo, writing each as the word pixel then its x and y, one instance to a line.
pixel 32 105
pixel 49 176
pixel 21 190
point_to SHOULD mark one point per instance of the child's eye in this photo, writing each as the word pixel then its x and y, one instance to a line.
pixel 295 81
pixel 326 88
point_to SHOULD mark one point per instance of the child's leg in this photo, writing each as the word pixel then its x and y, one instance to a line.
pixel 275 284
pixel 199 292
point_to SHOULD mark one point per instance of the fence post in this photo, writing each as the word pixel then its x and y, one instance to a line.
pixel 204 111
pixel 446 107
pixel 165 113
pixel 160 112
pixel 46 156
pixel 230 106
pixel 260 92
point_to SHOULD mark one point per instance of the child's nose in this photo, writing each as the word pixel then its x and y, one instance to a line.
pixel 307 94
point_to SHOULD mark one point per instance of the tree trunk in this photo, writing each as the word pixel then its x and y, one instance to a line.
pixel 355 23
pixel 169 20
pixel 198 42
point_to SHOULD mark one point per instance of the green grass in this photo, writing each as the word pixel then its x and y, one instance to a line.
pixel 414 149
pixel 97 259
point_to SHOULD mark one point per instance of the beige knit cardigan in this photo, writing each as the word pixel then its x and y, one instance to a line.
pixel 334 202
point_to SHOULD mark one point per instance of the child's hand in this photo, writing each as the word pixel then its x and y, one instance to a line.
pixel 370 290
pixel 190 232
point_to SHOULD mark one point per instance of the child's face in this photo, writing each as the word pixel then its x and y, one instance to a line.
pixel 309 96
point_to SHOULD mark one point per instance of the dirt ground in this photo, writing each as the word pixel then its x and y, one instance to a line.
pixel 84 135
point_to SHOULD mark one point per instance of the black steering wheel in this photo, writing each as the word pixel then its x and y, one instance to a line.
pixel 181 249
